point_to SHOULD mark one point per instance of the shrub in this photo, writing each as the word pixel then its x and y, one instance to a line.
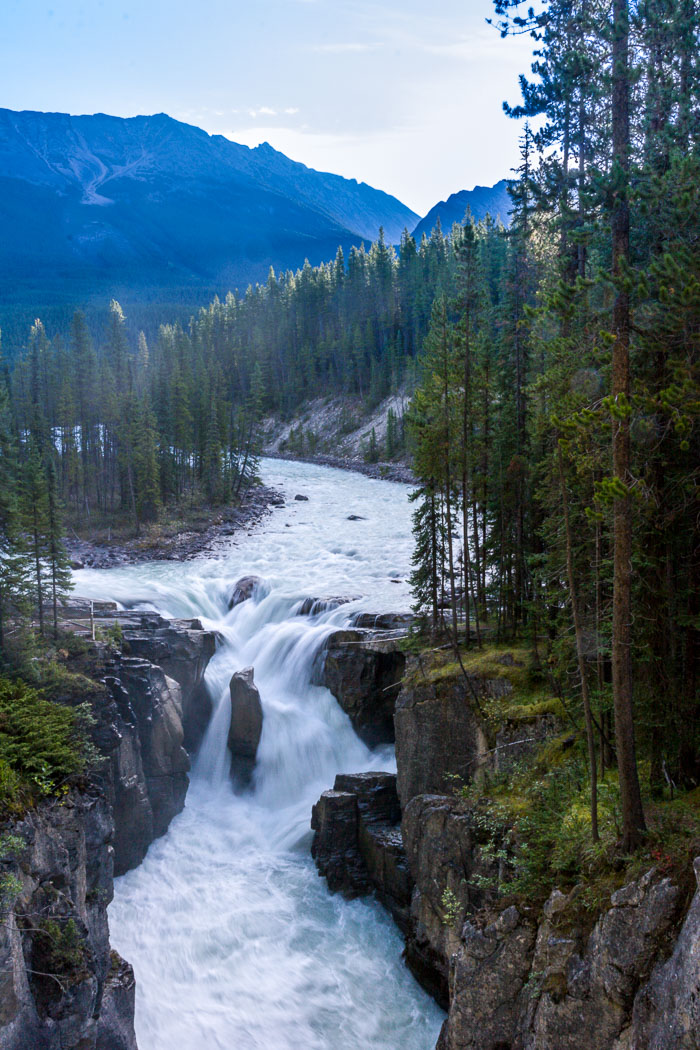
pixel 43 745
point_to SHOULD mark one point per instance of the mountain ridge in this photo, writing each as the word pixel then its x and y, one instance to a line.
pixel 481 201
pixel 264 164
pixel 158 213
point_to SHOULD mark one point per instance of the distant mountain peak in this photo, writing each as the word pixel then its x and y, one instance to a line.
pixel 94 201
pixel 480 202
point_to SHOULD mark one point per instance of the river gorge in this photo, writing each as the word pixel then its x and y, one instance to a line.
pixel 234 938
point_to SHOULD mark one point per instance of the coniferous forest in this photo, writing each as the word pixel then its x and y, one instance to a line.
pixel 553 428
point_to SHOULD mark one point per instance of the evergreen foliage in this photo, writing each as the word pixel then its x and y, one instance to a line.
pixel 569 348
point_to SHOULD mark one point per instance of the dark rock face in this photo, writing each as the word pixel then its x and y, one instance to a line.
pixel 246 725
pixel 441 840
pixel 55 921
pixel 183 649
pixel 667 1009
pixel 140 721
pixel 364 674
pixel 357 844
pixel 243 589
pixel 487 977
pixel 155 708
pixel 529 986
pixel 115 1029
pixel 335 820
pixel 438 735
pixel 149 764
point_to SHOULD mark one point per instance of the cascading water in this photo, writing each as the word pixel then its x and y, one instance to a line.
pixel 235 940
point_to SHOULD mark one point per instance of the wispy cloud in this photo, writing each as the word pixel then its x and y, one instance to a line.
pixel 346 48
pixel 268 111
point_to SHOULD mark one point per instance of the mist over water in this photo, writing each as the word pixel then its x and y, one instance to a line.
pixel 235 940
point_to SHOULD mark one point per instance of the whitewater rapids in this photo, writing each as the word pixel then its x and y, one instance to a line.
pixel 235 940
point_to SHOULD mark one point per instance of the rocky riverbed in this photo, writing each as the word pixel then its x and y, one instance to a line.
pixel 181 543
pixel 389 471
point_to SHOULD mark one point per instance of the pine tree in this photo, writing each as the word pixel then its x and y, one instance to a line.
pixel 57 563
pixel 14 557
pixel 35 513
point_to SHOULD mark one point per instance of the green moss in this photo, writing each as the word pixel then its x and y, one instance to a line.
pixel 530 711
pixel 528 699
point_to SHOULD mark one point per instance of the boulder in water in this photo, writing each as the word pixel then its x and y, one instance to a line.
pixel 384 621
pixel 243 590
pixel 301 499
pixel 246 725
pixel 314 606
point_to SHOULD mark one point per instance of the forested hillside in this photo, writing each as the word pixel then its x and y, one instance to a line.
pixel 139 427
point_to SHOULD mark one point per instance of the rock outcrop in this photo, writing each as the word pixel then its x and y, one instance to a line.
pixel 532 986
pixel 152 689
pixel 357 844
pixel 148 765
pixel 183 649
pixel 314 606
pixel 439 734
pixel 441 838
pixel 61 988
pixel 246 725
pixel 383 621
pixel 666 1010
pixel 364 674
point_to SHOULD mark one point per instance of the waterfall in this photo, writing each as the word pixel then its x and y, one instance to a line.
pixel 234 938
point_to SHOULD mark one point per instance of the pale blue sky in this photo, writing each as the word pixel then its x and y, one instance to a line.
pixel 403 94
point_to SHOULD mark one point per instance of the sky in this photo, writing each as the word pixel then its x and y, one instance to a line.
pixel 403 94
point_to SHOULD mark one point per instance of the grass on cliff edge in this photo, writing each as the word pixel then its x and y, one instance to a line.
pixel 531 695
pixel 534 818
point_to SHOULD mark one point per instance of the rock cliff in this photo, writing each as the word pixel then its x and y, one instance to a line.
pixel 512 975
pixel 363 670
pixel 61 986
pixel 153 711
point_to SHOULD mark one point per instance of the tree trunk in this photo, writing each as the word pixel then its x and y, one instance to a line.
pixel 578 634
pixel 632 811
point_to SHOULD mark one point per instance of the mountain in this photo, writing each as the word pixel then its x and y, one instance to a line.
pixel 481 201
pixel 150 209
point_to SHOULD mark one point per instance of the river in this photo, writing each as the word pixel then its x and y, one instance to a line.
pixel 235 940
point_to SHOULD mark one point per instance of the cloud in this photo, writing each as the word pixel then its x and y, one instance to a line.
pixel 347 48
pixel 480 46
